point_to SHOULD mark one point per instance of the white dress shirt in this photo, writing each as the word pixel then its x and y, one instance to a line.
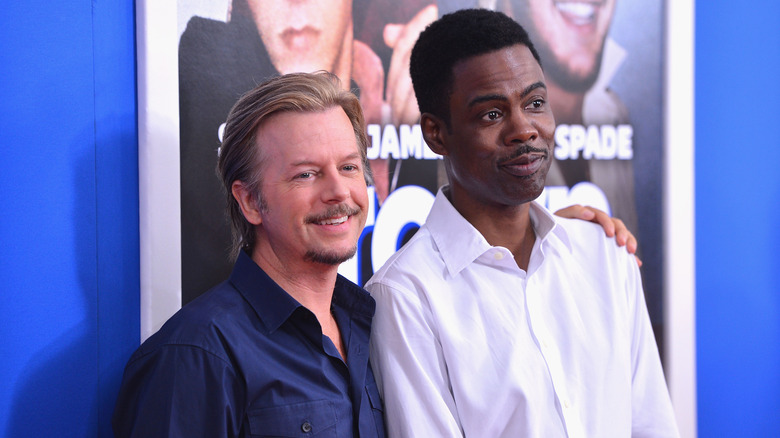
pixel 465 343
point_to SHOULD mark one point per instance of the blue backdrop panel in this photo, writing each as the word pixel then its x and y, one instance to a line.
pixel 69 208
pixel 738 209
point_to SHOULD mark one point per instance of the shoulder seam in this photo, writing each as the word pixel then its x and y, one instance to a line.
pixel 180 344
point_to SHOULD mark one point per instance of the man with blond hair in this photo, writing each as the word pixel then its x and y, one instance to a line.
pixel 281 347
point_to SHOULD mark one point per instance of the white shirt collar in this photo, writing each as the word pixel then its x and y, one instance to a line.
pixel 459 243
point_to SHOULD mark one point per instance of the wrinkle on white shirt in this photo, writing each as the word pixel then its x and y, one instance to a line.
pixel 465 343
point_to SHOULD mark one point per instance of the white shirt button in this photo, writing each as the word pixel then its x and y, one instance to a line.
pixel 498 255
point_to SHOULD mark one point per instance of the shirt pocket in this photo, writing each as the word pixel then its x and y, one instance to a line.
pixel 305 419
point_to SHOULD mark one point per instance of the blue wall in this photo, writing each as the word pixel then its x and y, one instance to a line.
pixel 738 212
pixel 69 207
pixel 69 270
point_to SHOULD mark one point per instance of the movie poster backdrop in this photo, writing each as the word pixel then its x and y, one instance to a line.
pixel 603 66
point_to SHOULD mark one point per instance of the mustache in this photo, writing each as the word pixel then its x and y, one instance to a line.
pixel 334 211
pixel 523 150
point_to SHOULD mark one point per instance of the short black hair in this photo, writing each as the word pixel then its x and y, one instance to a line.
pixel 452 38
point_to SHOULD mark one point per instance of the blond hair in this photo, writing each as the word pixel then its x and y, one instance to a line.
pixel 240 157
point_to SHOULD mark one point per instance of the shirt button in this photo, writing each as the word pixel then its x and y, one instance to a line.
pixel 306 427
pixel 498 255
pixel 566 404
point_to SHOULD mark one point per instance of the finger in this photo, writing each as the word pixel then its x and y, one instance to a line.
pixel 612 226
pixel 631 244
pixel 393 36
pixel 403 37
pixel 576 211
pixel 368 74
pixel 625 238
pixel 399 66
pixel 399 83
pixel 621 232
pixel 602 219
pixel 605 221
pixel 405 109
pixel 391 33
pixel 411 114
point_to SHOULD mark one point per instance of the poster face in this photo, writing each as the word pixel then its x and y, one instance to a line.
pixel 603 68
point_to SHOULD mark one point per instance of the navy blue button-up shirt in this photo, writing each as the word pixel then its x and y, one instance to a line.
pixel 246 359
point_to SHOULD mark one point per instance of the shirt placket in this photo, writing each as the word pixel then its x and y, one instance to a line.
pixel 549 349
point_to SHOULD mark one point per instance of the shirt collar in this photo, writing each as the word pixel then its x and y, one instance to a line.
pixel 459 243
pixel 273 305
pixel 547 226
pixel 353 298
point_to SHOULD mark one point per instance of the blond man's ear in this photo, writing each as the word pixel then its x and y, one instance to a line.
pixel 248 202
